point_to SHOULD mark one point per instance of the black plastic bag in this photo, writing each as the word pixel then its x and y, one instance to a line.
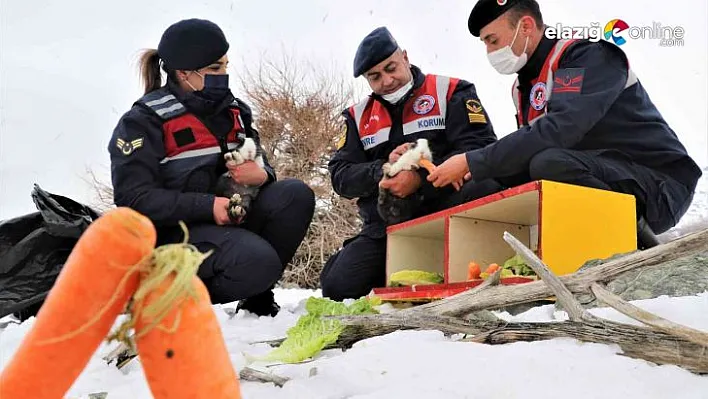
pixel 34 247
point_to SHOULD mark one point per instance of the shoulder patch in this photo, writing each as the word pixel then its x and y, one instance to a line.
pixel 127 147
pixel 342 137
pixel 475 112
pixel 568 80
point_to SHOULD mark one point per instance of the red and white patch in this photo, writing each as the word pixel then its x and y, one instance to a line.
pixel 501 2
pixel 423 104
pixel 538 96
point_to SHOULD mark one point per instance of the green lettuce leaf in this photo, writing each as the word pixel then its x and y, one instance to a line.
pixel 518 266
pixel 311 333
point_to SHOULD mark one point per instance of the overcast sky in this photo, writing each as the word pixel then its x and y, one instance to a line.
pixel 67 68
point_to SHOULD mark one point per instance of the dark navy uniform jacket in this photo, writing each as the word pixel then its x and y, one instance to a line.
pixel 592 106
pixel 167 152
pixel 453 120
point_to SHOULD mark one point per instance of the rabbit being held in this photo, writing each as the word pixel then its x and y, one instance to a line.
pixel 394 209
pixel 240 196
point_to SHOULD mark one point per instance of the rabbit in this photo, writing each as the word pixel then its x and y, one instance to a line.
pixel 241 197
pixel 392 208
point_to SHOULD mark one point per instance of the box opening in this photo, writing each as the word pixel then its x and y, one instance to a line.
pixel 419 247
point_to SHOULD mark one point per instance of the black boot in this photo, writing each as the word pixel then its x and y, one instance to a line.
pixel 262 304
pixel 645 236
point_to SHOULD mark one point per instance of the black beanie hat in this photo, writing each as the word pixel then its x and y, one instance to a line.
pixel 376 47
pixel 486 11
pixel 192 44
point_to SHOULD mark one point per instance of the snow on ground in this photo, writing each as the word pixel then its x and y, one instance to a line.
pixel 426 364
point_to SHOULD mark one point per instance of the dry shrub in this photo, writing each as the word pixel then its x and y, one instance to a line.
pixel 297 111
pixel 102 192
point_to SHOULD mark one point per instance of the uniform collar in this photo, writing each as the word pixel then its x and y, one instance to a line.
pixel 533 66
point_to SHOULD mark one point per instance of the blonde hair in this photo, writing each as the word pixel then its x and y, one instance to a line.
pixel 149 66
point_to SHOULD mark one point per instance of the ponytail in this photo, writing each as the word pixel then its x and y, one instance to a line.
pixel 150 70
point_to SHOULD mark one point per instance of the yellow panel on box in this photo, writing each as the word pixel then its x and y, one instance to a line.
pixel 580 223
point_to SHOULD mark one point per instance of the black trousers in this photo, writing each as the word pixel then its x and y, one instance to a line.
pixel 360 265
pixel 661 200
pixel 249 259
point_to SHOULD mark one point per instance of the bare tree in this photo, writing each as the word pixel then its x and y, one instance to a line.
pixel 297 110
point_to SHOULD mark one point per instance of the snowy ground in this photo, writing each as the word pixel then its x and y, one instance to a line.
pixel 426 364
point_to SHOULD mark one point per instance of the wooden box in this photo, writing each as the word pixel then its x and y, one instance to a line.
pixel 565 225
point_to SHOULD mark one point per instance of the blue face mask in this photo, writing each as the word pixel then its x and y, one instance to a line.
pixel 216 87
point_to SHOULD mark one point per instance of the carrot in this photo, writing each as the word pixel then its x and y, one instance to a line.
pixel 493 267
pixel 179 340
pixel 97 279
pixel 473 271
pixel 185 356
pixel 429 166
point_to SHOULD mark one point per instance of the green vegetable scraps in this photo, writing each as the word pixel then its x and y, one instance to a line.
pixel 311 333
pixel 518 266
pixel 404 278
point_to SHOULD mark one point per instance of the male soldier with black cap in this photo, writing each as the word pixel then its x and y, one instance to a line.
pixel 583 116
pixel 167 153
pixel 405 105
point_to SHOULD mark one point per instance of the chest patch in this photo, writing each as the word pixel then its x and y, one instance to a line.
pixel 423 104
pixel 538 96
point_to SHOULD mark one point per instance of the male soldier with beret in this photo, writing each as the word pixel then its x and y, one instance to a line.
pixel 583 118
pixel 405 105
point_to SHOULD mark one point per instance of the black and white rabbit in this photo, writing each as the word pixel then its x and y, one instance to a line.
pixel 241 197
pixel 394 209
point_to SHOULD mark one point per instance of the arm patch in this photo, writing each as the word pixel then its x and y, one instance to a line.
pixel 475 112
pixel 568 81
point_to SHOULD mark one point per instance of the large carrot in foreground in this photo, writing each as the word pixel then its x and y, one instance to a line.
pixel 98 278
pixel 185 356
pixel 178 338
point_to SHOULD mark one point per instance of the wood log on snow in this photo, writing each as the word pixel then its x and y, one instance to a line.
pixel 251 374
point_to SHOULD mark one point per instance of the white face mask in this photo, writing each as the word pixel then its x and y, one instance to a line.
pixel 505 61
pixel 397 95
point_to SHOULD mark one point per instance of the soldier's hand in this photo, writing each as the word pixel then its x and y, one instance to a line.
pixel 451 171
pixel 220 209
pixel 248 173
pixel 397 152
pixel 405 183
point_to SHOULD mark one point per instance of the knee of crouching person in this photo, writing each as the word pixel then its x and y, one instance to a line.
pixel 302 194
pixel 547 164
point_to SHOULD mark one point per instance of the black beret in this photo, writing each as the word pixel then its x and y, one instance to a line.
pixel 192 44
pixel 376 47
pixel 486 11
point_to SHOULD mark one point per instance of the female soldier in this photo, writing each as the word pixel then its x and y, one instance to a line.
pixel 168 151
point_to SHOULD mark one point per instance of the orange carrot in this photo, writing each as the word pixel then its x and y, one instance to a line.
pixel 493 267
pixel 429 166
pixel 92 289
pixel 473 271
pixel 184 355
